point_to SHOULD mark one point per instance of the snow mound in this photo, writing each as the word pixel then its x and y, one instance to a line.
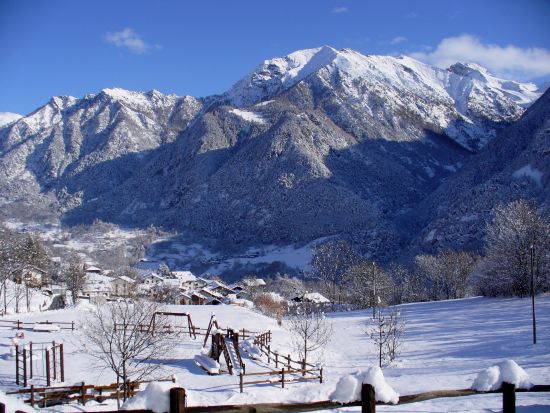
pixel 46 327
pixel 155 397
pixel 253 350
pixel 348 388
pixel 507 371
pixel 207 363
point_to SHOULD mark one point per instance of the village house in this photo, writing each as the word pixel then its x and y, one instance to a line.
pixel 122 286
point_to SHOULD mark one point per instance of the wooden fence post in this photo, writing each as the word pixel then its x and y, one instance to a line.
pixel 177 400
pixel 72 325
pixel 368 400
pixel 83 392
pixel 25 367
pixel 321 375
pixel 276 359
pixel 241 381
pixel 30 352
pixel 54 362
pixel 283 377
pixel 303 367
pixel 268 354
pixel 61 363
pixel 508 398
pixel 16 364
pixel 48 378
pixel 288 361
pixel 32 396
pixel 2 408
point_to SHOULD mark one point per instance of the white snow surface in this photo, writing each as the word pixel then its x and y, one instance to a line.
pixel 445 346
pixel 348 388
pixel 507 371
pixel 456 83
pixel 155 397
pixel 249 116
pixel 8 117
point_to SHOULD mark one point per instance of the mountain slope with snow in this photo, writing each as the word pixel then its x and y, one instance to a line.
pixel 319 143
pixel 8 117
pixel 514 165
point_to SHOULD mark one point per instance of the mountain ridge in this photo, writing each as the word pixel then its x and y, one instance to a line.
pixel 318 143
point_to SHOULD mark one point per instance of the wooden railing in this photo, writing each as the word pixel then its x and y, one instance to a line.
pixel 48 396
pixel 21 325
pixel 282 376
pixel 367 403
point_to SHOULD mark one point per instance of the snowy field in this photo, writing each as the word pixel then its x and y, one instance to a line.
pixel 445 345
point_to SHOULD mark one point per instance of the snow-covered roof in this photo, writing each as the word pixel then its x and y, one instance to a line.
pixel 216 284
pixel 184 276
pixel 254 282
pixel 212 293
pixel 127 279
pixel 315 298
pixel 93 268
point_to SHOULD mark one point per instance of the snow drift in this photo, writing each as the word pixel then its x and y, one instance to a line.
pixel 348 388
pixel 507 371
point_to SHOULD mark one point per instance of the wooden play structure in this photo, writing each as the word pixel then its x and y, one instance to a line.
pixel 154 326
pixel 39 362
pixel 186 325
pixel 224 343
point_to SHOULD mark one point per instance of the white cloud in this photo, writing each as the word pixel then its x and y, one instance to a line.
pixel 130 40
pixel 398 39
pixel 338 10
pixel 506 61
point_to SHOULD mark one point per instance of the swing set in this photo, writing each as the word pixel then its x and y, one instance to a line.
pixel 39 361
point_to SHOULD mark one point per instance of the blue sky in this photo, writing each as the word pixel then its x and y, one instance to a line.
pixel 202 47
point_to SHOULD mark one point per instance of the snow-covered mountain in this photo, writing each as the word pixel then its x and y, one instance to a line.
pixel 8 117
pixel 321 142
pixel 515 165
pixel 464 101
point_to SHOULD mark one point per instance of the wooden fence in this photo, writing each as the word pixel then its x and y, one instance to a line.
pixel 276 358
pixel 367 402
pixel 49 396
pixel 21 325
pixel 282 376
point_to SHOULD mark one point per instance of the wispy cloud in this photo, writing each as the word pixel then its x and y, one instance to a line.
pixel 411 15
pixel 339 10
pixel 398 39
pixel 507 61
pixel 129 39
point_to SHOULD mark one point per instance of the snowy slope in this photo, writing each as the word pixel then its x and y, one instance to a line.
pixel 445 346
pixel 8 117
pixel 464 92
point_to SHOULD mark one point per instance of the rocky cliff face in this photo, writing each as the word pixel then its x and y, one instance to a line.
pixel 321 142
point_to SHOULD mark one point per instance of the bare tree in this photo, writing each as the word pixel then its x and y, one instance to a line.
pixel 271 305
pixel 517 249
pixel 386 331
pixel 122 337
pixel 310 331
pixel 330 262
pixel 369 285
pixel 447 274
pixel 74 276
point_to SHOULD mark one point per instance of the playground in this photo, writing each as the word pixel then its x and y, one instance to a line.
pixel 446 345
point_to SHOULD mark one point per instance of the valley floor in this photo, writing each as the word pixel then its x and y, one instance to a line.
pixel 445 345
